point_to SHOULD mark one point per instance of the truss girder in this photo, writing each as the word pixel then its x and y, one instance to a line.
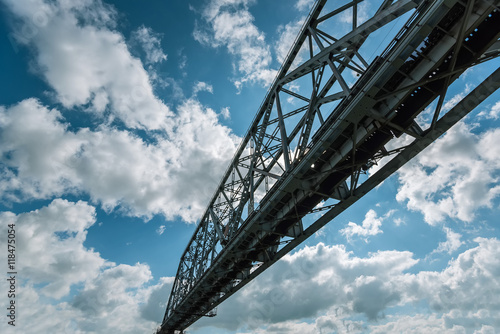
pixel 300 153
pixel 397 9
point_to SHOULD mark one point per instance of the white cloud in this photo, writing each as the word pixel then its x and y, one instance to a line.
pixel 337 282
pixel 160 229
pixel 304 4
pixel 460 295
pixel 492 113
pixel 370 226
pixel 287 35
pixel 112 300
pixel 201 86
pixel 50 243
pixel 157 298
pixel 65 287
pixel 87 63
pixel 399 221
pixel 226 114
pixel 341 287
pixel 151 44
pixel 452 242
pixel 454 177
pixel 229 23
pixel 41 158
pixel 468 282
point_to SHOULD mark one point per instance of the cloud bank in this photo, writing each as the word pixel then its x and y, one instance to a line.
pixel 89 67
pixel 335 287
pixel 340 287
pixel 53 261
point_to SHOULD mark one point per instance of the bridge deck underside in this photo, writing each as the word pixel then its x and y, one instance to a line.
pixel 442 40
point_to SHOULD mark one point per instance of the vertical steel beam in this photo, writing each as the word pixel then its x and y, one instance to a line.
pixel 284 138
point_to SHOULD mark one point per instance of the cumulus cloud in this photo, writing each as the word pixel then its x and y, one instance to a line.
pixel 468 282
pixel 454 177
pixel 341 287
pixel 50 244
pixel 370 226
pixel 459 296
pixel 121 298
pixel 336 281
pixel 229 23
pixel 118 299
pixel 201 86
pixel 452 242
pixel 69 288
pixel 157 298
pixel 151 44
pixel 112 299
pixel 89 64
pixel 175 176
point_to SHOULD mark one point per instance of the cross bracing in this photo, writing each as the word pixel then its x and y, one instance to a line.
pixel 331 114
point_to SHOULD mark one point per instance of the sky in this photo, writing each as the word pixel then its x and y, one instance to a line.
pixel 117 120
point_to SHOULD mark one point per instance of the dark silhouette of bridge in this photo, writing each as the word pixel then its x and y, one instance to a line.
pixel 328 118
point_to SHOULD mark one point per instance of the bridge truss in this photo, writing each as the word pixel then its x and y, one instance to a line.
pixel 332 126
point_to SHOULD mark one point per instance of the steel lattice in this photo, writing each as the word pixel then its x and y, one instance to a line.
pixel 309 149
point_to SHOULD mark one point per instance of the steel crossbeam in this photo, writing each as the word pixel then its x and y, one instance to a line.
pixel 311 149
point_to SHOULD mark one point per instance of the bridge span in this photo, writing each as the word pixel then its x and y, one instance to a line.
pixel 333 125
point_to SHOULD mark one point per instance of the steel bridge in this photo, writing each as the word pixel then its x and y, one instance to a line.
pixel 331 116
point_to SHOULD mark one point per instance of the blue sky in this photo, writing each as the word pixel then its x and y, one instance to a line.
pixel 117 119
